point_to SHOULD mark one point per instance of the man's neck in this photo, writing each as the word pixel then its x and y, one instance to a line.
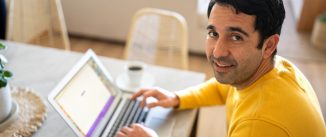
pixel 265 66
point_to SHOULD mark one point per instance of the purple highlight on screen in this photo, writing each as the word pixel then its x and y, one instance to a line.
pixel 100 116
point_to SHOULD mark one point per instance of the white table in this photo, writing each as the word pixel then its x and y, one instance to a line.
pixel 42 68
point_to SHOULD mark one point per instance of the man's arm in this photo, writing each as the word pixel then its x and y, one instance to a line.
pixel 209 93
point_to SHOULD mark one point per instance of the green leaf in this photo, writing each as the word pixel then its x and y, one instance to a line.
pixel 7 74
pixel 4 74
pixel 3 82
pixel 2 46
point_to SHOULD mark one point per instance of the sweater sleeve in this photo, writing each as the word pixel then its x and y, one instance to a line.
pixel 209 93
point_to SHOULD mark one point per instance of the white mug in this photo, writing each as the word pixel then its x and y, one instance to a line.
pixel 135 71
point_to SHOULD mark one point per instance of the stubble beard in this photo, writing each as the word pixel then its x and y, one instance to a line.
pixel 238 75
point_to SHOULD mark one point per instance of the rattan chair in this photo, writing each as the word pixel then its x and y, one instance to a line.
pixel 38 22
pixel 158 37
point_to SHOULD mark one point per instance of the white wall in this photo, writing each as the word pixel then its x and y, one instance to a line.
pixel 110 19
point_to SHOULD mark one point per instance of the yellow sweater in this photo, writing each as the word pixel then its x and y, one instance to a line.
pixel 281 103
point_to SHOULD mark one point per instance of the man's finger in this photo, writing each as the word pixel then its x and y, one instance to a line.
pixel 139 93
pixel 162 103
pixel 149 93
pixel 143 102
pixel 126 130
pixel 135 125
pixel 120 134
pixel 153 104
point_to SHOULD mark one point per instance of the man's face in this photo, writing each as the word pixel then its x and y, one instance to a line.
pixel 231 46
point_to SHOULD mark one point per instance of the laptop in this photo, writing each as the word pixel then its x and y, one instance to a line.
pixel 90 103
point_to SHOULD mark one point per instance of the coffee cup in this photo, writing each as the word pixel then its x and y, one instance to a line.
pixel 135 71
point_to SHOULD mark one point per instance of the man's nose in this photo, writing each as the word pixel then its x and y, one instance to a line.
pixel 220 49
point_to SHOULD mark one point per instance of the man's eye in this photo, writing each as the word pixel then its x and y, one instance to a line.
pixel 236 38
pixel 212 34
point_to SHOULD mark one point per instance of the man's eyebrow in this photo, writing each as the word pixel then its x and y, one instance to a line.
pixel 210 27
pixel 238 30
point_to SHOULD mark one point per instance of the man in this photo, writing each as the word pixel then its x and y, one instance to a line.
pixel 265 95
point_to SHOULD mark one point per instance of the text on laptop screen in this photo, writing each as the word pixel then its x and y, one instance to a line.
pixel 86 98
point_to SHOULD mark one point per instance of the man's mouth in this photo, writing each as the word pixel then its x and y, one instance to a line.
pixel 222 67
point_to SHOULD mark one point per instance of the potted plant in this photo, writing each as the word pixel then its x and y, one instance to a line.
pixel 318 38
pixel 5 93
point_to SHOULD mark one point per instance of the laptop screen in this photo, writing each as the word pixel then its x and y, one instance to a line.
pixel 86 98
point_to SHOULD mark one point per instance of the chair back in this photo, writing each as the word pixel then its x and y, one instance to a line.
pixel 158 37
pixel 38 22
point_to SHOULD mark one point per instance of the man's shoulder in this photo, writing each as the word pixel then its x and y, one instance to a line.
pixel 285 81
pixel 288 75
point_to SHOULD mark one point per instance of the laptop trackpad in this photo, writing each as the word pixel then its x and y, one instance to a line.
pixel 162 121
pixel 163 127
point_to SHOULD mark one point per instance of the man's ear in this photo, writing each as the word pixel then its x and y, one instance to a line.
pixel 270 45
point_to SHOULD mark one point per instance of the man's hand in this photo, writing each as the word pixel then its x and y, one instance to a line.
pixel 164 98
pixel 136 130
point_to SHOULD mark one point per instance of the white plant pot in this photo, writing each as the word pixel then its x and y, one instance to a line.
pixel 5 102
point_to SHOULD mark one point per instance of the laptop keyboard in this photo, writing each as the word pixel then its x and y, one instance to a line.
pixel 131 113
